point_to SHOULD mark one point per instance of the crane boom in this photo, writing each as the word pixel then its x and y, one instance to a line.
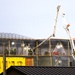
pixel 71 41
pixel 58 7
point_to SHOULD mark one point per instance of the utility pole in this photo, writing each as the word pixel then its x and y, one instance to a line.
pixel 4 59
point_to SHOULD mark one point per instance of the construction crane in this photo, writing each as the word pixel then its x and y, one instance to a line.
pixel 59 10
pixel 69 34
pixel 53 35
pixel 67 30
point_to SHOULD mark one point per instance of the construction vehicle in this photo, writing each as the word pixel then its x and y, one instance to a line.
pixel 66 28
pixel 68 32
pixel 59 10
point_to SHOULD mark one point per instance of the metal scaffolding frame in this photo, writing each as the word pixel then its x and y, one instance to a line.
pixel 13 36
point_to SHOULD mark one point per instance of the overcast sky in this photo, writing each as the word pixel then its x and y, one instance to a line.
pixel 36 18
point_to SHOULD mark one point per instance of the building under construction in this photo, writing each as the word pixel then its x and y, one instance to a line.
pixel 18 50
pixel 24 51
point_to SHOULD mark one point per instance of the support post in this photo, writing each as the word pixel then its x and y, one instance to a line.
pixel 9 46
pixel 49 47
pixel 37 53
pixel 50 53
pixel 68 55
pixel 22 46
pixel 4 60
